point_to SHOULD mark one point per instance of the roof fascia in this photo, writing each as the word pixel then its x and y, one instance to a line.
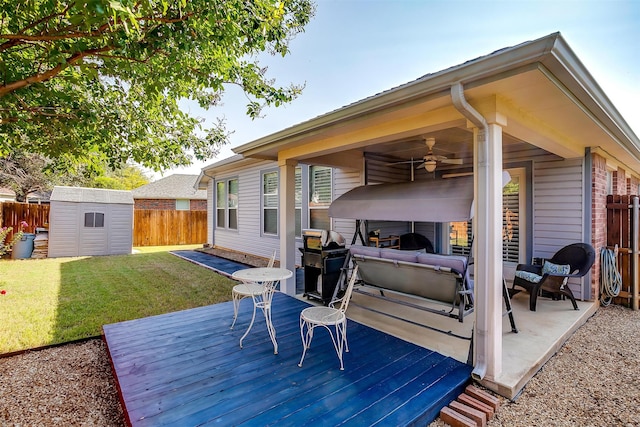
pixel 478 69
pixel 209 172
pixel 577 83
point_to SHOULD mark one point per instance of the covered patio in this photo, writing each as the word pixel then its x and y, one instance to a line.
pixel 532 107
pixel 540 333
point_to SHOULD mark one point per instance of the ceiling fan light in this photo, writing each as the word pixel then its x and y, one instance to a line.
pixel 430 165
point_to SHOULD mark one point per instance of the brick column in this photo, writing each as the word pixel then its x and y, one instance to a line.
pixel 598 215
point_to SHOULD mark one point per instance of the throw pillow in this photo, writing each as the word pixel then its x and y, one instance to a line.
pixel 551 268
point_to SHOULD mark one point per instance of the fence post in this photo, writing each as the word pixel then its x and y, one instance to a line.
pixel 635 236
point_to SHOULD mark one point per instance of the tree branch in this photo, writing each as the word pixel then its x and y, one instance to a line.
pixel 42 77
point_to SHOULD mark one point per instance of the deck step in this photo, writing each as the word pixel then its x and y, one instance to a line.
pixel 474 407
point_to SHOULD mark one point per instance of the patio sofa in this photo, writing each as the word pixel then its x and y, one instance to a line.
pixel 434 277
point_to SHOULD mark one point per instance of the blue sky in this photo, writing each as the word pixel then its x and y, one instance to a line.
pixel 353 49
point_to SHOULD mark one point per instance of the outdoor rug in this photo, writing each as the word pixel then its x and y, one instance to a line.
pixel 223 266
pixel 227 267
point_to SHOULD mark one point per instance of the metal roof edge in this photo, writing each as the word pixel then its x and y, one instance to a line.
pixel 220 166
pixel 564 56
pixel 478 68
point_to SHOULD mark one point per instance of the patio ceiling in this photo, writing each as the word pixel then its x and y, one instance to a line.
pixel 548 99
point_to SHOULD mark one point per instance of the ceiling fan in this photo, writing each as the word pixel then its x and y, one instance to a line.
pixel 430 160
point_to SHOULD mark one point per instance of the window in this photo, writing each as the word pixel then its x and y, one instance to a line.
pixel 94 219
pixel 511 221
pixel 183 205
pixel 221 215
pixel 319 197
pixel 270 203
pixel 232 203
pixel 460 233
pixel 298 196
pixel 227 204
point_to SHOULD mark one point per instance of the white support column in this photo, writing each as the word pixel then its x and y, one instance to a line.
pixel 287 224
pixel 488 249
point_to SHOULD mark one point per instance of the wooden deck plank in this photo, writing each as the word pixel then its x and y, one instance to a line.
pixel 186 368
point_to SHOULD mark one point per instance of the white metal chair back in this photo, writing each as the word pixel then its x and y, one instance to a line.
pixel 327 317
pixel 250 290
pixel 272 260
pixel 344 301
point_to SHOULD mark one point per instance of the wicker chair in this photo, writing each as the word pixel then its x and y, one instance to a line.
pixel 248 290
pixel 312 317
pixel 573 260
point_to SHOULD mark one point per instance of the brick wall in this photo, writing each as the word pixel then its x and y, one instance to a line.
pixel 168 204
pixel 619 182
pixel 632 186
pixel 155 204
pixel 598 215
pixel 198 205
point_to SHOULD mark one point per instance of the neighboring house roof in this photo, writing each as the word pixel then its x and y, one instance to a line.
pixel 176 186
pixel 91 195
pixel 7 194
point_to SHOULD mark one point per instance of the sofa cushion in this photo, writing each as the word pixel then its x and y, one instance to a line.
pixel 528 276
pixel 455 262
pixel 365 250
pixel 397 255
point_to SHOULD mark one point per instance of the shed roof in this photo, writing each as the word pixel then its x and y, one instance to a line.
pixel 177 186
pixel 91 195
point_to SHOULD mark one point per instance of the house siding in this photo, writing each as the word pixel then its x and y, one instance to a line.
pixel 343 181
pixel 248 237
pixel 558 194
pixel 378 171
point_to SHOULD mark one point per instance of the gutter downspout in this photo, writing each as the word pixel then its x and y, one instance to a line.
pixel 461 104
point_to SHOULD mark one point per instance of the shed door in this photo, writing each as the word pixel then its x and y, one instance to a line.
pixel 93 232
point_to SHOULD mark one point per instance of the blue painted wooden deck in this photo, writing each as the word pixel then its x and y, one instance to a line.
pixel 186 368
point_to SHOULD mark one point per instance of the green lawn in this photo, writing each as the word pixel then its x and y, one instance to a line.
pixel 51 301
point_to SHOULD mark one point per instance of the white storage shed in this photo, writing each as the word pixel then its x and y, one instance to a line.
pixel 90 221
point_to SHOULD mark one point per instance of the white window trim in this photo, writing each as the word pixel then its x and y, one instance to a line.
pixel 188 208
pixel 262 206
pixel 226 208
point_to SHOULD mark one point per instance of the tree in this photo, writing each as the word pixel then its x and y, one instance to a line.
pixel 26 173
pixel 101 79
pixel 125 178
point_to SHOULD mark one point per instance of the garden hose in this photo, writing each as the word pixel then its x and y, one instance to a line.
pixel 611 279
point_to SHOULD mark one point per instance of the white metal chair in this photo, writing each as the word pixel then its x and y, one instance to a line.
pixel 248 290
pixel 263 301
pixel 312 317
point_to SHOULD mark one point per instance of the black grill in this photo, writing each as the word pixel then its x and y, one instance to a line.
pixel 323 256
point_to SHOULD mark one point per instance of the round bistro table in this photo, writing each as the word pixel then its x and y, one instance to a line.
pixel 269 278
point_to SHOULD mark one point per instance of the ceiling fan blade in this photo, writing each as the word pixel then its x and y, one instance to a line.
pixel 400 163
pixel 452 161
pixel 421 165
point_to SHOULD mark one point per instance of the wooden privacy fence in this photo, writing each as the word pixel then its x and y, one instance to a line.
pixel 164 227
pixel 623 229
pixel 13 213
